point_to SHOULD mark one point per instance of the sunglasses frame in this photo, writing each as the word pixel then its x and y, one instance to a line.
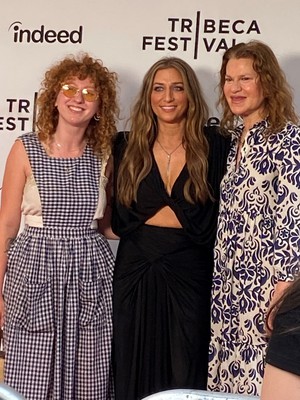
pixel 67 87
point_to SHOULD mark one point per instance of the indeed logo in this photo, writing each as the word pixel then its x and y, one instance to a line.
pixel 43 35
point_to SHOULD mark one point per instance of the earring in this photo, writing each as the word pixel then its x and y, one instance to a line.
pixel 97 117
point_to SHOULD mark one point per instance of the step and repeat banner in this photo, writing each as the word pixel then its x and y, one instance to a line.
pixel 129 36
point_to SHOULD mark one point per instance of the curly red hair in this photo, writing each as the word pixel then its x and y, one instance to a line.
pixel 99 134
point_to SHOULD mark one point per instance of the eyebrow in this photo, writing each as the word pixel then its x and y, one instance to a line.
pixel 173 83
pixel 241 75
pixel 90 86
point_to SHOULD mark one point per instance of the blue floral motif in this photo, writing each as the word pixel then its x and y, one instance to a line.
pixel 258 243
pixel 248 354
pixel 282 194
pixel 283 235
pixel 261 161
pixel 234 369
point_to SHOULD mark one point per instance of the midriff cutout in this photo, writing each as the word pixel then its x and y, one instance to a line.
pixel 165 217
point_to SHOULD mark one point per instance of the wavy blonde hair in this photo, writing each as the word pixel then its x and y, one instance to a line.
pixel 99 134
pixel 137 161
pixel 278 102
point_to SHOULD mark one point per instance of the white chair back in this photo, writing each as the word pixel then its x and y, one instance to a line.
pixel 190 394
pixel 7 393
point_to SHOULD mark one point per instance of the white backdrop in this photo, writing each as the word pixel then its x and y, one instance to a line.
pixel 129 35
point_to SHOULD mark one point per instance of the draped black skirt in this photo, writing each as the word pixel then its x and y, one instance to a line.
pixel 162 286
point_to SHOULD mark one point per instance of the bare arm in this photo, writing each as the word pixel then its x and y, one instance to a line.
pixel 280 385
pixel 280 288
pixel 16 170
pixel 104 225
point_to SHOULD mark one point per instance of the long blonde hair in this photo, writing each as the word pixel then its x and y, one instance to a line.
pixel 137 161
pixel 99 133
pixel 278 95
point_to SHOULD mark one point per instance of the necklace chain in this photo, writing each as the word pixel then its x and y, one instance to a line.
pixel 168 186
pixel 60 147
pixel 173 151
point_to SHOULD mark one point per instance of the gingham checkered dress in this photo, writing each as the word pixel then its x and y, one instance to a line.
pixel 58 287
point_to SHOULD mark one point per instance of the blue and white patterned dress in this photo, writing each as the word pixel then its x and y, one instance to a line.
pixel 258 243
pixel 58 289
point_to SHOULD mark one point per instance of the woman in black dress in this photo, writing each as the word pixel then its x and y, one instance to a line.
pixel 282 371
pixel 167 174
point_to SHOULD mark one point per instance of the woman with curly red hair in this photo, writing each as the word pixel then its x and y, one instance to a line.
pixel 56 303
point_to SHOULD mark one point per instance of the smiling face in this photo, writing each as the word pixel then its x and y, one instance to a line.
pixel 243 90
pixel 76 111
pixel 169 100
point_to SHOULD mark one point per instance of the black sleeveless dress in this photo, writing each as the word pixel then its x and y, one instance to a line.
pixel 162 283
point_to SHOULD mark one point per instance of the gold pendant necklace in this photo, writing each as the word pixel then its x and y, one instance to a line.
pixel 77 149
pixel 169 155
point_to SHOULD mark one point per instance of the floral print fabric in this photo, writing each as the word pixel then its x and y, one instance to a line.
pixel 258 243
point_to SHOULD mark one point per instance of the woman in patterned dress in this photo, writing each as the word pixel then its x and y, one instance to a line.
pixel 257 248
pixel 56 306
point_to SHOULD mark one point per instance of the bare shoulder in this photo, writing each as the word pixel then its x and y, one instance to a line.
pixel 18 159
pixel 18 149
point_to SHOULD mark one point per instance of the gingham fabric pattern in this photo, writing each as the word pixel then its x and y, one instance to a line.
pixel 58 288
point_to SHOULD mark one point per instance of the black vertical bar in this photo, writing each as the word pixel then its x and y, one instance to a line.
pixel 197 35
pixel 34 111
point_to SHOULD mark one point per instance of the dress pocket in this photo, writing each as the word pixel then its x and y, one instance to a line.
pixel 39 307
pixel 92 309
